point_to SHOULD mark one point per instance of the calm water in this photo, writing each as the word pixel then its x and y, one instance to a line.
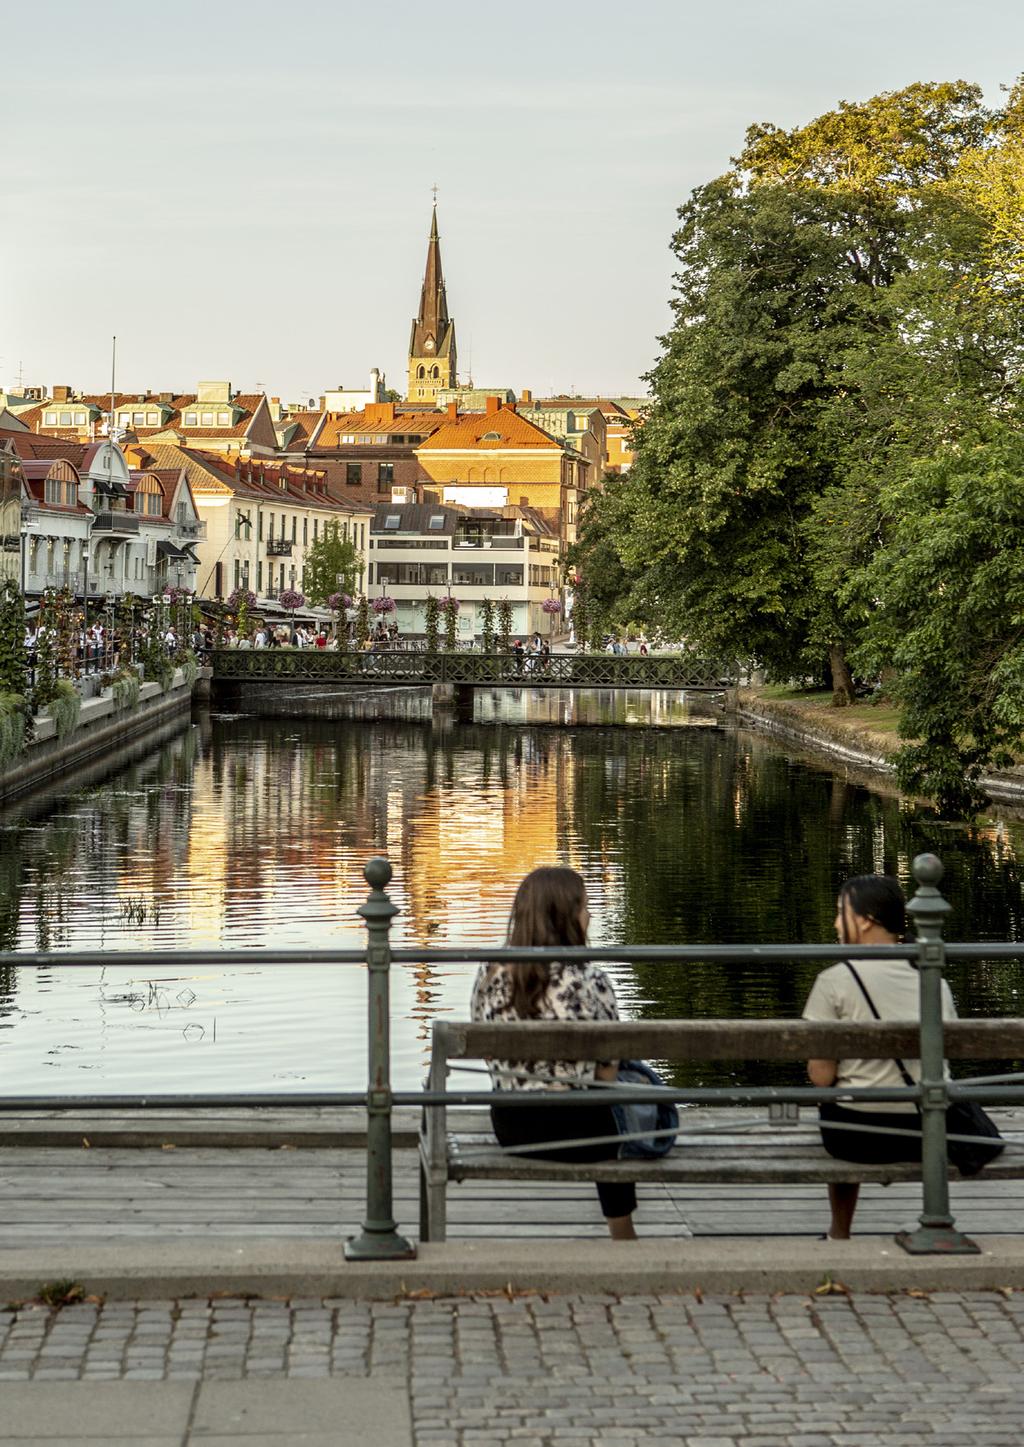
pixel 254 832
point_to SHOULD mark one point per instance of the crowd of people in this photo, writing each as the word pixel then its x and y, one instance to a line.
pixel 550 909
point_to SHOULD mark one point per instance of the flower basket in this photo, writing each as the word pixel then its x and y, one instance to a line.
pixel 551 605
pixel 291 599
pixel 449 604
pixel 383 605
pixel 239 598
pixel 337 601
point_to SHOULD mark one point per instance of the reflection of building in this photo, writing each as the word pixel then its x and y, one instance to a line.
pixel 11 485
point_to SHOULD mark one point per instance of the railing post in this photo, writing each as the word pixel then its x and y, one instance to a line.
pixel 937 1233
pixel 379 1239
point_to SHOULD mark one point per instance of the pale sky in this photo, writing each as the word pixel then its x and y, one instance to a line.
pixel 242 191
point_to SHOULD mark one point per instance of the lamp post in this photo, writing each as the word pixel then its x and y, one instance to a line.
pixel 85 596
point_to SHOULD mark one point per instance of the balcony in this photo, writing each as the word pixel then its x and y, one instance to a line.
pixel 495 540
pixel 279 547
pixel 115 524
pixel 196 530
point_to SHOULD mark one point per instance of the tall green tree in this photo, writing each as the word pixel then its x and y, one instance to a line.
pixel 332 565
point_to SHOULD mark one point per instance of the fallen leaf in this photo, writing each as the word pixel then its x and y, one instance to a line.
pixel 166 1147
pixel 85 1143
pixel 698 1294
pixel 831 1287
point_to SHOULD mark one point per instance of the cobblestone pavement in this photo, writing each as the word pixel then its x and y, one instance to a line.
pixel 744 1371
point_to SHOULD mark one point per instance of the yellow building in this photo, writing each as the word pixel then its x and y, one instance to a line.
pixel 497 458
pixel 432 358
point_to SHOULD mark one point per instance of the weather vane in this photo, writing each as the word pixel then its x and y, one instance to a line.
pixel 434 189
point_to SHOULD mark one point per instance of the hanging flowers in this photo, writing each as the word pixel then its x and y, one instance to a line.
pixel 291 599
pixel 551 605
pixel 337 601
pixel 241 597
pixel 383 605
pixel 449 603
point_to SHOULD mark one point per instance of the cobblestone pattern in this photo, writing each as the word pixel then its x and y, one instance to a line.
pixel 754 1371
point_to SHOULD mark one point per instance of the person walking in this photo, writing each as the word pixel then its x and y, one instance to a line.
pixel 550 909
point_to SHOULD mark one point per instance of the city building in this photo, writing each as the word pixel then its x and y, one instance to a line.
pixel 432 354
pixel 259 517
pixel 368 455
pixel 214 417
pixel 89 525
pixel 580 425
pixel 498 457
pixel 471 554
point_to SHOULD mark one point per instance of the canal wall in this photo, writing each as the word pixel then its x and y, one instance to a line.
pixel 103 732
pixel 833 738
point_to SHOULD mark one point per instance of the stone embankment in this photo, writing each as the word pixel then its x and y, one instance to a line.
pixel 847 737
pixel 103 730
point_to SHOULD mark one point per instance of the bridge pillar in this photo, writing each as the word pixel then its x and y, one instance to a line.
pixel 453 699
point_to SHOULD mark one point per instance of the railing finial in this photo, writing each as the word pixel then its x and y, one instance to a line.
pixel 378 872
pixel 928 869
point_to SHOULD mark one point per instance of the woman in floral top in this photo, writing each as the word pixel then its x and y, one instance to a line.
pixel 550 908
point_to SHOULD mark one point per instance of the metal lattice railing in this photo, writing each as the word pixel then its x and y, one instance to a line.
pixel 556 670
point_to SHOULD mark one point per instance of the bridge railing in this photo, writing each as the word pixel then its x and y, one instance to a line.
pixel 566 670
pixel 927 1040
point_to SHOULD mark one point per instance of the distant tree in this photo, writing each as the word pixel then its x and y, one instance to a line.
pixel 330 558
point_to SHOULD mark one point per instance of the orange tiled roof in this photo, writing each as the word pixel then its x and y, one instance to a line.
pixel 473 429
pixel 343 424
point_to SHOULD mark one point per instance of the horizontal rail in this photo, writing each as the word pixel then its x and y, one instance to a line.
pixel 477 955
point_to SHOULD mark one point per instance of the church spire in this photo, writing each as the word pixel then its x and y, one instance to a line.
pixel 432 344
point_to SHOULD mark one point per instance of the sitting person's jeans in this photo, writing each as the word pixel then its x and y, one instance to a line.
pixel 869 1147
pixel 529 1125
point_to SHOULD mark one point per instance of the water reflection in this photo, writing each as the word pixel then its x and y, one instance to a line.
pixel 254 831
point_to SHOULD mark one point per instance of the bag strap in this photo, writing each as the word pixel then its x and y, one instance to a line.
pixel 908 1079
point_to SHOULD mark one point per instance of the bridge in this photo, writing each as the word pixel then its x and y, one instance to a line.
pixel 463 671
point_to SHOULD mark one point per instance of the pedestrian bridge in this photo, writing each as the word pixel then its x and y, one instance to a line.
pixel 391 667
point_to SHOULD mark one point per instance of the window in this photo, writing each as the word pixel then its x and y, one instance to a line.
pixel 191 419
pixel 52 490
pixel 349 437
pixel 238 574
pixel 385 476
pixel 354 473
pixel 152 419
pixel 124 419
pixel 305 531
pixel 79 419
pixel 491 437
pixel 259 577
pixel 65 419
pixel 223 419
pixel 393 521
pixel 50 420
pixel 138 419
pixel 206 419
pixel 421 372
pixel 473 575
pixel 270 528
pixel 260 526
pixel 295 528
pixel 154 504
pixel 436 523
pixel 507 576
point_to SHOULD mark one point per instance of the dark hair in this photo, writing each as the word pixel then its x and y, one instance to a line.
pixel 545 911
pixel 877 897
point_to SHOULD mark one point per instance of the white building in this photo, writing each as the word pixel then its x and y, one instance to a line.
pixel 419 549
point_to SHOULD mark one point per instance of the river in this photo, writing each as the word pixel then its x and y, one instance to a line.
pixel 248 831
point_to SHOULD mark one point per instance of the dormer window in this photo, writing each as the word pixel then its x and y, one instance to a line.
pixel 491 437
pixel 206 419
pixel 50 420
pixel 393 521
pixel 436 522
pixel 191 419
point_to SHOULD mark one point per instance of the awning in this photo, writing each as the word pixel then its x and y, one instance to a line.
pixel 109 488
pixel 168 550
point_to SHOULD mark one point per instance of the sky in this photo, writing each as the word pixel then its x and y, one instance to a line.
pixel 243 191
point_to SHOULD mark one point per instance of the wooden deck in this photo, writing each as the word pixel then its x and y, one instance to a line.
pixel 298 1184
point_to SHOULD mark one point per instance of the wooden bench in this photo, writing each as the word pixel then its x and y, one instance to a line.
pixel 775 1148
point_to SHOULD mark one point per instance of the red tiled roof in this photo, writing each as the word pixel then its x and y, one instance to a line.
pixel 471 429
pixel 342 424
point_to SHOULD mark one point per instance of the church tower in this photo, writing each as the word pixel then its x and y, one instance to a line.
pixel 432 344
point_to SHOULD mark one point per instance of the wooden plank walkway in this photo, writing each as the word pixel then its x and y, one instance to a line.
pixel 175 1189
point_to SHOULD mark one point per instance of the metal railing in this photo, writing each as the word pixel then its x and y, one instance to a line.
pixel 380 1239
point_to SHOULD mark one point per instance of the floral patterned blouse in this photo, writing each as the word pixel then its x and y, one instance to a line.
pixel 576 992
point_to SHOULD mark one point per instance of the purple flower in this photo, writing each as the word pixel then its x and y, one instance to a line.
pixel 291 599
pixel 551 605
pixel 240 596
pixel 383 605
pixel 337 601
pixel 449 602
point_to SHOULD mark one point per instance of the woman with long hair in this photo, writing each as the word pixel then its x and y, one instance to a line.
pixel 870 910
pixel 550 908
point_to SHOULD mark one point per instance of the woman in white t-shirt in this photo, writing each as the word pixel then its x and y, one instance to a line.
pixel 870 910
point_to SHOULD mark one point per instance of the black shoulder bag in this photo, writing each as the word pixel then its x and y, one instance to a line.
pixel 963 1117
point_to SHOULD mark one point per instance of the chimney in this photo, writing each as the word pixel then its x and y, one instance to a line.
pixel 62 394
pixel 379 412
pixel 493 405
pixel 526 397
pixel 453 411
pixel 167 397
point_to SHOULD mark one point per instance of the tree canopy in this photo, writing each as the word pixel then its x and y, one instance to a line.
pixel 330 558
pixel 840 381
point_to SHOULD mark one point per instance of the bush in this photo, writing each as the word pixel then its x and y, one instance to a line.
pixel 126 686
pixel 65 707
pixel 189 666
pixel 12 728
